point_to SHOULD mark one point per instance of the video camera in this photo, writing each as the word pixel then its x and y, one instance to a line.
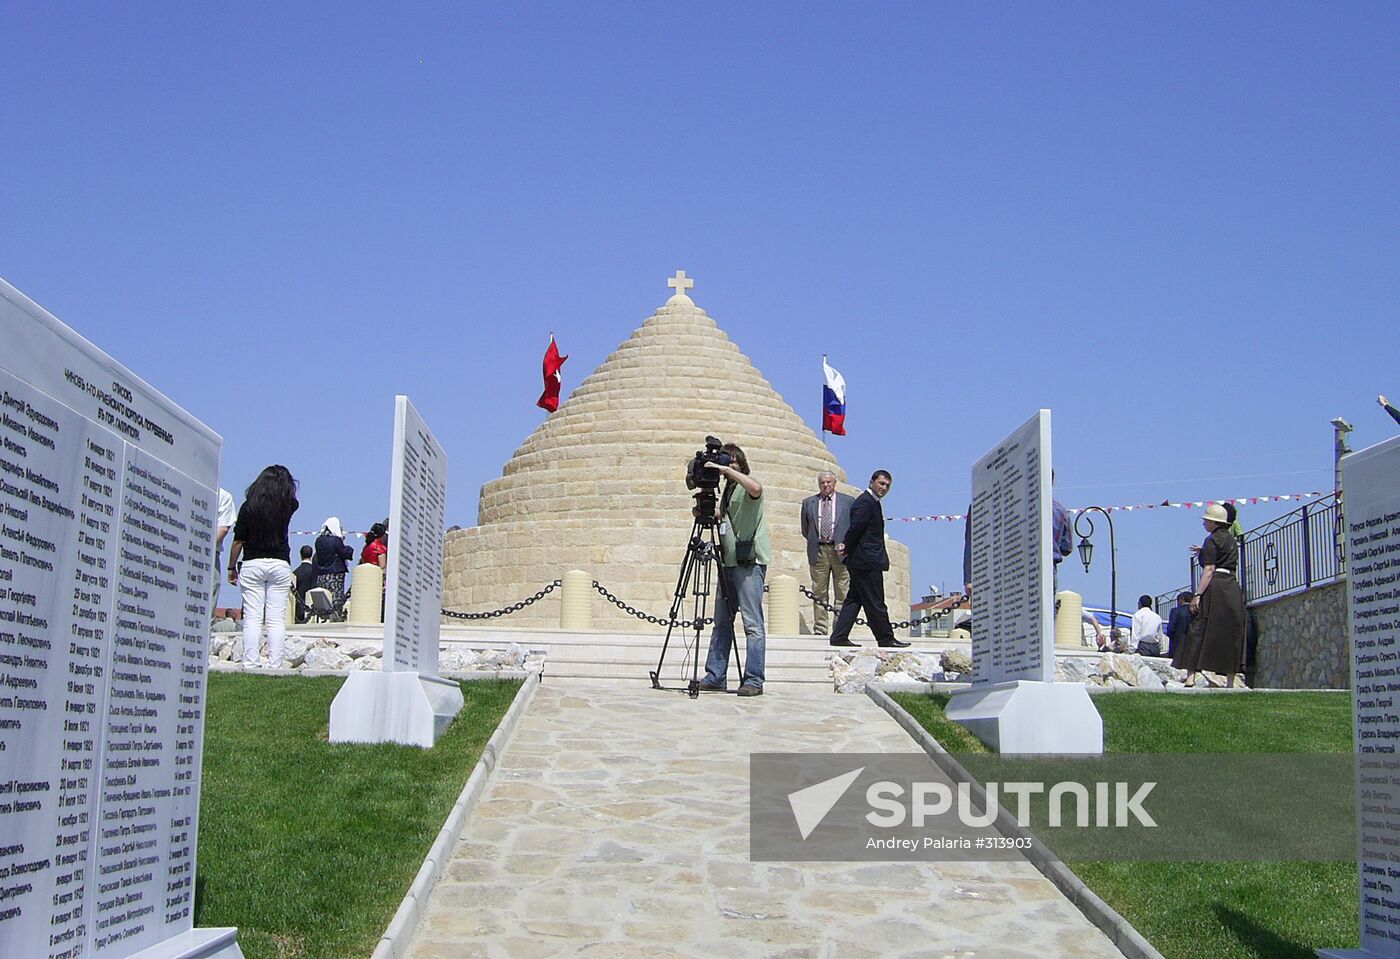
pixel 696 475
pixel 706 481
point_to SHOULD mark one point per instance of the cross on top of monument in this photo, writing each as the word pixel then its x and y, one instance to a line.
pixel 680 283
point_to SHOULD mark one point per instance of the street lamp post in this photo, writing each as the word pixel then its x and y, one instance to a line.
pixel 1340 448
pixel 1086 555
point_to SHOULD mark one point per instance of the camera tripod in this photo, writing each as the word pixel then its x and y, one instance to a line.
pixel 702 557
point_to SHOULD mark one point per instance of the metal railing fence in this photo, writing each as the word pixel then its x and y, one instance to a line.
pixel 1163 602
pixel 1294 552
pixel 1297 551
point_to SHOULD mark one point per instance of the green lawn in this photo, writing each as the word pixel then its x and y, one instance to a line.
pixel 1213 910
pixel 308 847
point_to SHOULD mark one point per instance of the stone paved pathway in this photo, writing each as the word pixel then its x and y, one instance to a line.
pixel 616 825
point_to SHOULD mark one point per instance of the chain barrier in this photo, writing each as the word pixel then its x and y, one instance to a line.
pixel 647 617
pixel 626 608
pixel 654 620
pixel 906 624
pixel 828 607
pixel 506 610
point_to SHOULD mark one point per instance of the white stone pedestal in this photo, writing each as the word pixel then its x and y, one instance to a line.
pixel 195 944
pixel 1030 717
pixel 394 707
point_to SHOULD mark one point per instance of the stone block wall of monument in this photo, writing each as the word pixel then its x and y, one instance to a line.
pixel 600 485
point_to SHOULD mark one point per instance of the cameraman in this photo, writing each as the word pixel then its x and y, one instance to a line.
pixel 744 542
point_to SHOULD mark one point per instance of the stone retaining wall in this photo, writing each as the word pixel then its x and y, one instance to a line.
pixel 1303 640
pixel 319 653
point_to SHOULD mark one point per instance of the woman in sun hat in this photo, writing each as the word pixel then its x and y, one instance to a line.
pixel 1215 640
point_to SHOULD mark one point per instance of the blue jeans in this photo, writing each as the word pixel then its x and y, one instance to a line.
pixel 745 584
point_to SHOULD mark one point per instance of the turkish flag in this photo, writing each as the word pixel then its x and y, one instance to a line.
pixel 549 399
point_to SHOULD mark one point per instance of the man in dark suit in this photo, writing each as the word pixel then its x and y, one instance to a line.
pixel 1179 621
pixel 825 519
pixel 304 576
pixel 863 551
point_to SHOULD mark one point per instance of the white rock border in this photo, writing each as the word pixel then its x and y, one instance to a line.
pixel 395 940
pixel 1129 941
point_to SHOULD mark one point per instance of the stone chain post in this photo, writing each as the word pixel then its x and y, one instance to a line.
pixel 1069 621
pixel 366 595
pixel 575 605
pixel 782 606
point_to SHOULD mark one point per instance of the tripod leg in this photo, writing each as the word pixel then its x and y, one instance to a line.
pixel 678 599
pixel 702 590
pixel 731 601
pixel 705 562
pixel 675 611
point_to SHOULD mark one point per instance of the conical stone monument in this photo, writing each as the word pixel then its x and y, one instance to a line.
pixel 600 484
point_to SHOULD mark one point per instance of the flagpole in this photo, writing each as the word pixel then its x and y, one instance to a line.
pixel 821 418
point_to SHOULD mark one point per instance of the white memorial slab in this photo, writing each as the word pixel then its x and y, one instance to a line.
pixel 107 500
pixel 1371 494
pixel 1014 704
pixel 408 702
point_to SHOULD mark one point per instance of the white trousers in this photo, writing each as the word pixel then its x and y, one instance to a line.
pixel 265 584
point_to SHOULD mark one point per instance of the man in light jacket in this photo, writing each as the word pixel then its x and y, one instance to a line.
pixel 825 519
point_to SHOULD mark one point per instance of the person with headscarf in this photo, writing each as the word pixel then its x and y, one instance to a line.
pixel 264 574
pixel 1215 639
pixel 329 558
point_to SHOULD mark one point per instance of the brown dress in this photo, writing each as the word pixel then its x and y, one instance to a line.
pixel 1215 639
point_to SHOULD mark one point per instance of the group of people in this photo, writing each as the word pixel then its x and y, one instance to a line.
pixel 845 548
pixel 1206 629
pixel 846 552
pixel 1214 639
pixel 1149 635
pixel 326 565
pixel 260 559
pixel 845 539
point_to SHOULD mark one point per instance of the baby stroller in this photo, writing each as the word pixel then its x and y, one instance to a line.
pixel 322 608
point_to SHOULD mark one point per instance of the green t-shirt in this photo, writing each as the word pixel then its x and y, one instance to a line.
pixel 745 515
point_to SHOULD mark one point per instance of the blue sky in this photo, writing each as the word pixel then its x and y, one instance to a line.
pixel 1177 226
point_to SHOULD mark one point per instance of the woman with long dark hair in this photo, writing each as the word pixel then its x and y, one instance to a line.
pixel 265 575
pixel 376 551
pixel 1215 639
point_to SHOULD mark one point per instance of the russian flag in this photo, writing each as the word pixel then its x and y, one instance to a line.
pixel 833 401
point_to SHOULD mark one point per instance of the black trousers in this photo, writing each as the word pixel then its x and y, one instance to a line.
pixel 867 592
